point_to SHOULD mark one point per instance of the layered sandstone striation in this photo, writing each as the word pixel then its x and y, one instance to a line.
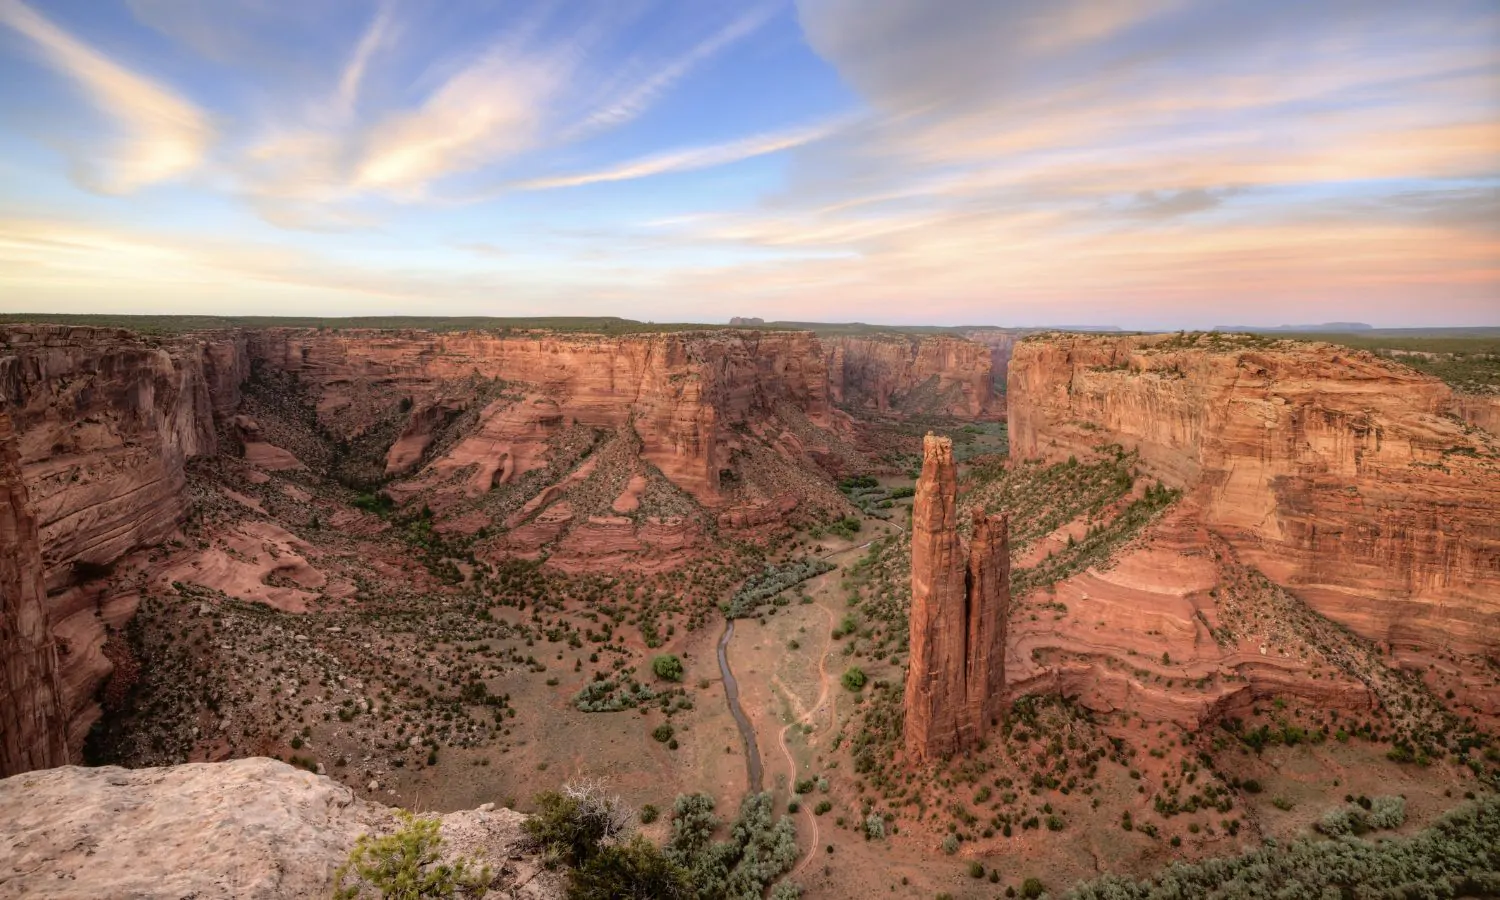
pixel 894 374
pixel 32 723
pixel 105 422
pixel 960 603
pixel 682 393
pixel 1351 479
pixel 252 828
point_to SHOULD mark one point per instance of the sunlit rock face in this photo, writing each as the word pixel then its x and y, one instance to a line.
pixel 960 599
pixel 1364 486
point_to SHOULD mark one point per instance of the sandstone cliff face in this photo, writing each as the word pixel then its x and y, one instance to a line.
pixel 252 828
pixel 681 392
pixel 956 676
pixel 1348 478
pixel 1002 344
pixel 32 724
pixel 105 421
pixel 894 374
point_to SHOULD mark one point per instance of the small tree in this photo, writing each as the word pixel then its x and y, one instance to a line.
pixel 667 667
pixel 406 865
pixel 853 678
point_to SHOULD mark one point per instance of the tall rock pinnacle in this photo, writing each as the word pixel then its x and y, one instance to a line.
pixel 959 605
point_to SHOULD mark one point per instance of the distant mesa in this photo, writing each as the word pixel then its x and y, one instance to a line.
pixel 1322 328
pixel 747 320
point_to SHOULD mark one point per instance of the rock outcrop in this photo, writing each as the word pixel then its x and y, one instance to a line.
pixel 959 605
pixel 1353 480
pixel 32 723
pixel 895 374
pixel 251 829
pixel 105 421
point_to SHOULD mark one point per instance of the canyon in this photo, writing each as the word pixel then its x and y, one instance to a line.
pixel 431 565
pixel 932 374
pixel 466 425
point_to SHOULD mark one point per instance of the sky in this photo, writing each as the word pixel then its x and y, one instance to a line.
pixel 1142 163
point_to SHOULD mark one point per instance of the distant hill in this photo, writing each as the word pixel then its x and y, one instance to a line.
pixel 1323 328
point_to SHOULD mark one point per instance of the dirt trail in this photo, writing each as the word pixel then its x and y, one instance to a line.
pixel 791 764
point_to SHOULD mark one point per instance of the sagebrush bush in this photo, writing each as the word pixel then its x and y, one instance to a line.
pixel 407 865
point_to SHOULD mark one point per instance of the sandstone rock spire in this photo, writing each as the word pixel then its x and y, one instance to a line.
pixel 959 605
pixel 33 728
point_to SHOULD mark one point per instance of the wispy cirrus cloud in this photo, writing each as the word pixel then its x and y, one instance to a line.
pixel 687 159
pixel 520 96
pixel 639 97
pixel 161 134
pixel 375 36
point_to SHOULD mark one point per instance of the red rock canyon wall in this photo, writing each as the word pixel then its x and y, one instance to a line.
pixel 32 724
pixel 897 374
pixel 1350 479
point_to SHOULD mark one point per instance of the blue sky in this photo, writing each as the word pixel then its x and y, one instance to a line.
pixel 1149 163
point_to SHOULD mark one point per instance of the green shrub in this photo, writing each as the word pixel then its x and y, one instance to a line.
pixel 976 869
pixel 1032 888
pixel 636 870
pixel 662 733
pixel 758 851
pixel 406 865
pixel 1459 856
pixel 771 581
pixel 853 678
pixel 667 667
pixel 1388 812
pixel 649 814
pixel 571 823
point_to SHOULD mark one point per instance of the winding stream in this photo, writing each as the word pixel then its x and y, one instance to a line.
pixel 754 769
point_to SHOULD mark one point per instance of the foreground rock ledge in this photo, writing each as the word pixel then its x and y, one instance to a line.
pixel 251 828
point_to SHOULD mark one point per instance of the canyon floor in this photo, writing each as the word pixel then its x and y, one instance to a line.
pixel 289 621
pixel 455 570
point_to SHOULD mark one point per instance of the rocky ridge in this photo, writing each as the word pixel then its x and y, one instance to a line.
pixel 251 829
pixel 105 422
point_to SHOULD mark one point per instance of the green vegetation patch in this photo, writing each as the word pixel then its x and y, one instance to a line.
pixel 771 581
pixel 1459 856
pixel 1099 544
pixel 1042 498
